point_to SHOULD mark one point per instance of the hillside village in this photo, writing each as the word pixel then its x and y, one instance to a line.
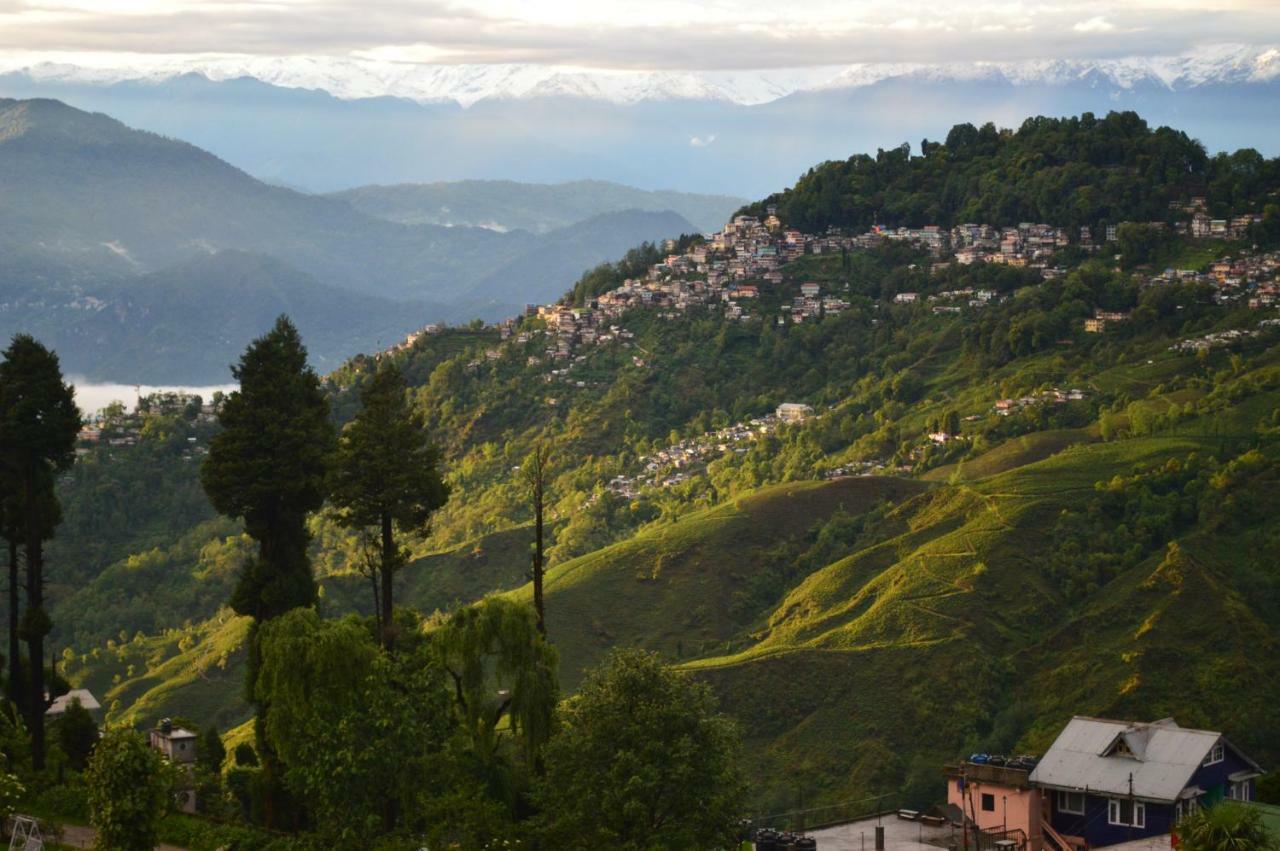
pixel 741 272
pixel 730 270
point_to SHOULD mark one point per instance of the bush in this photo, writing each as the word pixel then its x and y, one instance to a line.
pixel 128 792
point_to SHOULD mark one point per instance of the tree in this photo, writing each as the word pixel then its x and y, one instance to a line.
pixel 11 531
pixel 535 474
pixel 210 752
pixel 641 759
pixel 1227 826
pixel 267 467
pixel 501 669
pixel 357 729
pixel 39 422
pixel 77 734
pixel 386 476
pixel 128 791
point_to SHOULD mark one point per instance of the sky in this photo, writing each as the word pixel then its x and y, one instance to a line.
pixel 676 35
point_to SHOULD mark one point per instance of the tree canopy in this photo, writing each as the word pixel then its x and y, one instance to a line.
pixel 641 760
pixel 267 467
pixel 1066 171
pixel 386 477
pixel 128 792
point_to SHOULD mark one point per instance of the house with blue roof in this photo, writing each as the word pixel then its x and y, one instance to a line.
pixel 1104 782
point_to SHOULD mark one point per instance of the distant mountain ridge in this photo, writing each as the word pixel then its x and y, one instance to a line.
pixel 321 135
pixel 467 85
pixel 103 226
pixel 507 205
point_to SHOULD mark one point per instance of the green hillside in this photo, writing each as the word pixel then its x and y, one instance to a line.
pixel 991 518
pixel 1070 171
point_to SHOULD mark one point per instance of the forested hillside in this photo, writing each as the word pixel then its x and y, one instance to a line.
pixel 1069 171
pixel 989 519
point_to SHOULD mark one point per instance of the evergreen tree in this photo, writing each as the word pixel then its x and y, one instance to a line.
pixel 77 734
pixel 11 531
pixel 210 752
pixel 386 478
pixel 39 422
pixel 267 468
pixel 535 472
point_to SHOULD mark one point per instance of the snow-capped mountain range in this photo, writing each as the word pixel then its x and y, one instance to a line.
pixel 469 84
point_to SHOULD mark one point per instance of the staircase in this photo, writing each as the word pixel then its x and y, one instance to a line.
pixel 1055 841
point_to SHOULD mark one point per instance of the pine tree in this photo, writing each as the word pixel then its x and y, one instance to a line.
pixel 39 422
pixel 535 473
pixel 386 478
pixel 267 468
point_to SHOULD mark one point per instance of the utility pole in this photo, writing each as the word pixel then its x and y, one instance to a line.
pixel 1133 809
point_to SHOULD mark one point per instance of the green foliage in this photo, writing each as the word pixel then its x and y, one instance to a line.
pixel 11 793
pixel 210 752
pixel 39 422
pixel 77 734
pixel 128 792
pixel 1228 826
pixel 385 477
pixel 1070 171
pixel 267 467
pixel 503 672
pixel 38 415
pixel 1133 516
pixel 641 760
pixel 386 465
pixel 358 731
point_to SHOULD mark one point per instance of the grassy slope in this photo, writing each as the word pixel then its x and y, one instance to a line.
pixel 902 653
pixel 700 585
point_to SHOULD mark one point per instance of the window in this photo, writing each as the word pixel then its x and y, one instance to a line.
pixel 1215 755
pixel 988 802
pixel 1128 813
pixel 1238 791
pixel 1071 802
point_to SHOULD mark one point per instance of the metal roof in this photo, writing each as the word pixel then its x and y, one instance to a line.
pixel 1164 758
pixel 61 702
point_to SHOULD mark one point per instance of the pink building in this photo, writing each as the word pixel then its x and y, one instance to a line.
pixel 1000 800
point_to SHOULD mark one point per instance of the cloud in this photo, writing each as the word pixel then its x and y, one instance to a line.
pixel 636 34
pixel 702 141
pixel 1096 24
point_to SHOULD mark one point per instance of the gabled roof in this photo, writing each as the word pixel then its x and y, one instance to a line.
pixel 1089 753
pixel 60 703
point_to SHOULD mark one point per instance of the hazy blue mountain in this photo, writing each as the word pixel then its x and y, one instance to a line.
pixel 597 240
pixel 187 323
pixel 536 207
pixel 130 252
pixel 311 139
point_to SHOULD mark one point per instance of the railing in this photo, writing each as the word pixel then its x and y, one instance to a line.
pixel 815 818
pixel 1057 842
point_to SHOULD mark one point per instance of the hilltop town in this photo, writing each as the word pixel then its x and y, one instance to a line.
pixel 742 273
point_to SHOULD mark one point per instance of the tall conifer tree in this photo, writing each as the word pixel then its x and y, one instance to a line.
pixel 386 478
pixel 267 468
pixel 39 422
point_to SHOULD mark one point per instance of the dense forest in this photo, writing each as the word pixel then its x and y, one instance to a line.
pixel 1064 171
